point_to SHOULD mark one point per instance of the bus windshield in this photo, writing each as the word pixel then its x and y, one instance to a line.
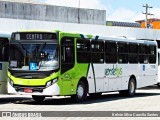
pixel 34 56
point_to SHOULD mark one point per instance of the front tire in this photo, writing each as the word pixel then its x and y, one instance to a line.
pixel 81 93
pixel 38 98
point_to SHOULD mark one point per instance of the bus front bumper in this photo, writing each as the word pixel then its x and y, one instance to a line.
pixel 49 91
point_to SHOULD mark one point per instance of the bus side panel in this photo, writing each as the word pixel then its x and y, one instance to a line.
pixel 66 87
pixel 91 80
pixel 3 87
pixel 128 70
pixel 147 75
pixel 99 76
pixel 3 77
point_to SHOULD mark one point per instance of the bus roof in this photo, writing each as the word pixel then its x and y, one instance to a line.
pixel 120 39
pixel 5 34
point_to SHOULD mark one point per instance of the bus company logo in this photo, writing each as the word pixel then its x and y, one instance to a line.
pixel 115 71
pixel 67 76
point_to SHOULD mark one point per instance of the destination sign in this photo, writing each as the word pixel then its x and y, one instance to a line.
pixel 34 36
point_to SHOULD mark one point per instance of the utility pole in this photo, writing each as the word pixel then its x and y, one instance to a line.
pixel 146 13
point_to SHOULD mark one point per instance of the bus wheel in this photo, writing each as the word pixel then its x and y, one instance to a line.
pixel 158 84
pixel 81 93
pixel 131 89
pixel 38 98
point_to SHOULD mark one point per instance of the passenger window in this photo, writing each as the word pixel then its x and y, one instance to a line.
pixel 133 53
pixel 110 52
pixel 158 59
pixel 97 51
pixel 143 53
pixel 4 49
pixel 152 54
pixel 122 52
pixel 83 51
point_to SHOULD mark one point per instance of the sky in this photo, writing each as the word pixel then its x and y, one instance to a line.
pixel 116 10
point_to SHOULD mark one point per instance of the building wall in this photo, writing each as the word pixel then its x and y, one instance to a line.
pixel 12 25
pixel 155 25
pixel 29 11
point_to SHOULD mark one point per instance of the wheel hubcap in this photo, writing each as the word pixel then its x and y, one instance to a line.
pixel 80 91
pixel 132 87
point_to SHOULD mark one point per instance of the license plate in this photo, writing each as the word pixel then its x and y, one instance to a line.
pixel 28 90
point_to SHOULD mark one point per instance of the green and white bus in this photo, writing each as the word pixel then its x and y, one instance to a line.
pixel 158 44
pixel 4 54
pixel 45 64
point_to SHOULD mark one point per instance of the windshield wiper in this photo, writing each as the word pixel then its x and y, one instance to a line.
pixel 41 47
pixel 40 63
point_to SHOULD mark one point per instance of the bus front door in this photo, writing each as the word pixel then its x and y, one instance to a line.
pixel 67 65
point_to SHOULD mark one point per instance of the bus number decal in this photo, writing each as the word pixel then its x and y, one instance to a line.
pixel 144 68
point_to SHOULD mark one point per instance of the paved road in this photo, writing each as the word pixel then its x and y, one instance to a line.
pixel 146 99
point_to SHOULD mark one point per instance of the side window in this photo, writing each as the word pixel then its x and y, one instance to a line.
pixel 158 59
pixel 4 49
pixel 133 53
pixel 158 43
pixel 110 52
pixel 83 51
pixel 152 54
pixel 67 52
pixel 122 52
pixel 97 51
pixel 143 53
pixel 1 45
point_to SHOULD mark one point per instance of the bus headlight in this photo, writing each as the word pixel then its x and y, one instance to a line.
pixel 49 83
pixel 11 82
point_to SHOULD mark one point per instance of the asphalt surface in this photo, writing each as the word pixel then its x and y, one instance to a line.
pixel 146 99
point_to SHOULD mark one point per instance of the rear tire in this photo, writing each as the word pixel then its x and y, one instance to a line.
pixel 131 89
pixel 38 98
pixel 81 93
